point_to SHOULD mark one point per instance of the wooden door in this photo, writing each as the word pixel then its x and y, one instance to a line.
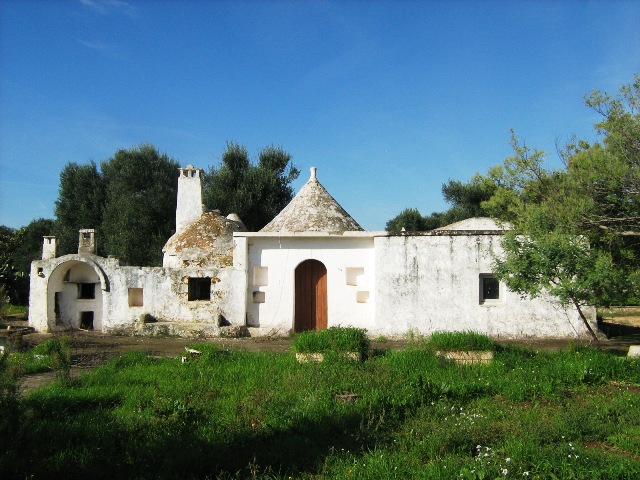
pixel 311 296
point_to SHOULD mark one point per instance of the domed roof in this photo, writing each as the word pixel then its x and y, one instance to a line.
pixel 313 209
pixel 207 240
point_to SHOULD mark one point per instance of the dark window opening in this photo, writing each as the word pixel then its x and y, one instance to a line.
pixel 490 288
pixel 86 320
pixel 87 291
pixel 200 288
pixel 56 307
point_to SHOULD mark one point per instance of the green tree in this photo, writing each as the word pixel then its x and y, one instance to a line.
pixel 576 232
pixel 140 204
pixel 80 204
pixel 466 200
pixel 256 192
pixel 410 219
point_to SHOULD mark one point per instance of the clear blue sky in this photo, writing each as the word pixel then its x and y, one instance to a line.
pixel 389 99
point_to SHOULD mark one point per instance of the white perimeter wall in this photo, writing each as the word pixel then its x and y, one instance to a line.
pixel 271 264
pixel 432 283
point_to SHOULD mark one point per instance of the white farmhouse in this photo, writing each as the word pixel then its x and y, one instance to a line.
pixel 311 267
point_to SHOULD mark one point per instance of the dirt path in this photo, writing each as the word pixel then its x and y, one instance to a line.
pixel 91 349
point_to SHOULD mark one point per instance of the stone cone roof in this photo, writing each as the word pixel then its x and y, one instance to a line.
pixel 313 209
pixel 210 239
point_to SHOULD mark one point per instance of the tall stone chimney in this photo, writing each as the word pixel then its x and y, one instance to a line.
pixel 87 241
pixel 49 247
pixel 189 208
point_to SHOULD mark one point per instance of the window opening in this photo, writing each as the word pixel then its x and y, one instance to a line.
pixel 199 288
pixel 86 320
pixel 489 288
pixel 135 297
pixel 87 291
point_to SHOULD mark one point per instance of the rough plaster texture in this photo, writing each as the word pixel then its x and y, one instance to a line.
pixel 431 283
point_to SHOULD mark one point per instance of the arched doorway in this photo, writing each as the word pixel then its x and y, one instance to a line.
pixel 311 296
pixel 75 296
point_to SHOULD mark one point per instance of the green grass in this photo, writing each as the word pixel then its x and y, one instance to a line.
pixel 19 310
pixel 334 339
pixel 466 341
pixel 568 414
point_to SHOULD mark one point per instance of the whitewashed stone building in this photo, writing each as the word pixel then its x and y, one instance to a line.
pixel 311 267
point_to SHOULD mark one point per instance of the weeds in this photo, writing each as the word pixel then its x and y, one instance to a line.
pixel 334 339
pixel 231 414
pixel 465 341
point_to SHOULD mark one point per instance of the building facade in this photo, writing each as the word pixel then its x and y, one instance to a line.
pixel 311 267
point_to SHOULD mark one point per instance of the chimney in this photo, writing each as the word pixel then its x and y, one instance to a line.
pixel 49 247
pixel 87 241
pixel 189 208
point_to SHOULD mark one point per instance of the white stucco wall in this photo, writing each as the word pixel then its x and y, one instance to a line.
pixel 164 294
pixel 271 261
pixel 432 283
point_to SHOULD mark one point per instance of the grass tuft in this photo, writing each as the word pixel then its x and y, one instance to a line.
pixel 465 341
pixel 334 339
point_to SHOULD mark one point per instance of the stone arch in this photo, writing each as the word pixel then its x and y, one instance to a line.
pixel 76 294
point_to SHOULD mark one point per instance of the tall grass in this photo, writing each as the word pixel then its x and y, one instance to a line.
pixel 334 339
pixel 229 414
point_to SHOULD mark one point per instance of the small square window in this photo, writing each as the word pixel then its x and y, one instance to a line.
pixel 86 291
pixel 135 297
pixel 489 288
pixel 199 288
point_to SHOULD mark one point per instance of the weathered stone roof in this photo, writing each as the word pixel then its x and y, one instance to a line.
pixel 313 209
pixel 207 240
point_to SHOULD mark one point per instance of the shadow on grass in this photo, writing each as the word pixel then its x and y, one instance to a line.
pixel 82 439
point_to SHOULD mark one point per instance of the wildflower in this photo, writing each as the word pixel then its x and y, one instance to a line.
pixel 504 471
pixel 526 474
pixel 508 459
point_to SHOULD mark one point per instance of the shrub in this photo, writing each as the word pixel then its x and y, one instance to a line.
pixel 466 341
pixel 336 339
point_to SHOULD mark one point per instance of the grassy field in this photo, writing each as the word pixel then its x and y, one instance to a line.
pixel 568 414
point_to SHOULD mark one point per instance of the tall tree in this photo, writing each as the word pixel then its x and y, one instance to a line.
pixel 79 205
pixel 256 192
pixel 576 232
pixel 140 204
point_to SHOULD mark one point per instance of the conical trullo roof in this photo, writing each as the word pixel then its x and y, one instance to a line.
pixel 313 209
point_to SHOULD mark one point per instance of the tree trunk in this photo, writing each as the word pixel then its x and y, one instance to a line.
pixel 585 321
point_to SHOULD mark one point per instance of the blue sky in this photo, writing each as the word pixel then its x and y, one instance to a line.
pixel 388 99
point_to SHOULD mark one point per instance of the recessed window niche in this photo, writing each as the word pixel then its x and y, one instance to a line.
pixel 258 297
pixel 260 276
pixel 362 296
pixel 355 276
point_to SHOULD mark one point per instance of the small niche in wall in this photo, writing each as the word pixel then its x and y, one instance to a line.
pixel 355 275
pixel 135 297
pixel 258 297
pixel 260 276
pixel 362 296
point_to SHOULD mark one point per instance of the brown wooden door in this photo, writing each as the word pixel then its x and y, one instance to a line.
pixel 311 296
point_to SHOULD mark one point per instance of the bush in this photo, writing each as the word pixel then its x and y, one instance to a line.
pixel 334 339
pixel 466 341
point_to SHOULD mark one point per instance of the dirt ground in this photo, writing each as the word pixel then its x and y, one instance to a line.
pixel 91 349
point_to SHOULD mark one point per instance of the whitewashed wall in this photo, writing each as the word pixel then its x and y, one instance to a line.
pixel 432 283
pixel 164 294
pixel 271 262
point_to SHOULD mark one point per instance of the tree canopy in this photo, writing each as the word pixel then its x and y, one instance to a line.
pixel 18 248
pixel 257 192
pixel 130 201
pixel 465 200
pixel 576 231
